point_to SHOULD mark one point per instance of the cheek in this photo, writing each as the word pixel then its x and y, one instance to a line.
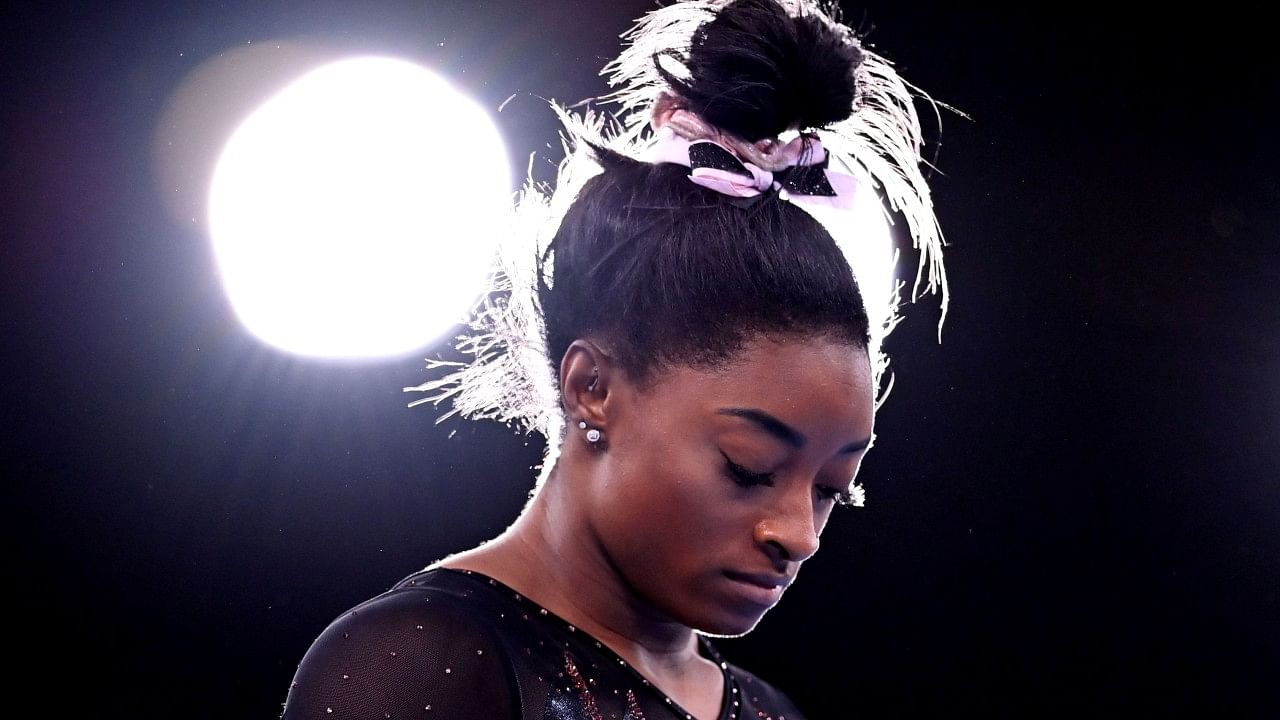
pixel 823 517
pixel 671 499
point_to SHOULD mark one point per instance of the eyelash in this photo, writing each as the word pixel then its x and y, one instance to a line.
pixel 745 478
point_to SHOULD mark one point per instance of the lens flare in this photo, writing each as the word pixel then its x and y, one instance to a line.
pixel 356 213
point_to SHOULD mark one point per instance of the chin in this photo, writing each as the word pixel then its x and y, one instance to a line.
pixel 727 630
pixel 727 622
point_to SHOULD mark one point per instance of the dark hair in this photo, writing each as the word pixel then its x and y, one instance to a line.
pixel 756 71
pixel 664 271
pixel 667 271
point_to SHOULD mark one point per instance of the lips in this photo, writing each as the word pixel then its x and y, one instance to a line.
pixel 759 591
pixel 767 581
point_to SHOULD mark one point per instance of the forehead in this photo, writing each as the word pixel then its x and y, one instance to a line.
pixel 811 383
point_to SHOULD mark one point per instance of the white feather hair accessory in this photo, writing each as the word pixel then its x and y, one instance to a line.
pixel 510 379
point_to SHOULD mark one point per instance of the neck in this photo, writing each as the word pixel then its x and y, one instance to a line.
pixel 552 555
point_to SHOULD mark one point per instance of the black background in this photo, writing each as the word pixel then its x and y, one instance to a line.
pixel 1074 500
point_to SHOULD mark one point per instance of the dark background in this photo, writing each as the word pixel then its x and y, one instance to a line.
pixel 1074 500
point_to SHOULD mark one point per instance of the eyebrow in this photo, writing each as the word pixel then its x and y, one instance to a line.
pixel 783 431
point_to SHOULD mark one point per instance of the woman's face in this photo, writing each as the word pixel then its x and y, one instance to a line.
pixel 716 484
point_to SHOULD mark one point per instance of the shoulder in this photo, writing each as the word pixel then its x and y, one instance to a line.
pixel 423 644
pixel 758 697
pixel 762 698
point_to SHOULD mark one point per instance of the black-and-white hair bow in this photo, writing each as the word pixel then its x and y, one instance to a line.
pixel 805 178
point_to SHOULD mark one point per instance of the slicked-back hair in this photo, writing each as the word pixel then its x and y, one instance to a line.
pixel 665 271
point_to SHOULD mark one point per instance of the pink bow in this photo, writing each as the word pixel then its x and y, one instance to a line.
pixel 745 179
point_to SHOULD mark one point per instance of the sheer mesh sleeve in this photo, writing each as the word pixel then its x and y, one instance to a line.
pixel 767 700
pixel 408 653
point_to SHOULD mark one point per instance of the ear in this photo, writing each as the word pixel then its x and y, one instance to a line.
pixel 586 374
pixel 662 109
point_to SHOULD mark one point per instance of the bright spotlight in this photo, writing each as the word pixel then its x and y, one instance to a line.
pixel 355 214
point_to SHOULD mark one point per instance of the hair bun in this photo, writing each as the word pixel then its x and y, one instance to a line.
pixel 756 70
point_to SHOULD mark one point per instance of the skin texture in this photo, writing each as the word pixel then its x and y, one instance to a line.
pixel 631 537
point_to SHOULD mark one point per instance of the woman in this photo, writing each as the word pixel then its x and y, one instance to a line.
pixel 694 344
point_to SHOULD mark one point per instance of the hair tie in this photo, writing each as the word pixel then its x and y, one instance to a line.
pixel 801 170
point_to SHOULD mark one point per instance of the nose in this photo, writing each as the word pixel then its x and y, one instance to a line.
pixel 790 528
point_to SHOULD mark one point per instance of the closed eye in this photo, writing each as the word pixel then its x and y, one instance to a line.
pixel 745 477
pixel 839 496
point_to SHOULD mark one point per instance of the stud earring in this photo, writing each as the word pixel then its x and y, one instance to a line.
pixel 593 435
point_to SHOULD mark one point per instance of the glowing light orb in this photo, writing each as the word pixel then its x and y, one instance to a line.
pixel 356 213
